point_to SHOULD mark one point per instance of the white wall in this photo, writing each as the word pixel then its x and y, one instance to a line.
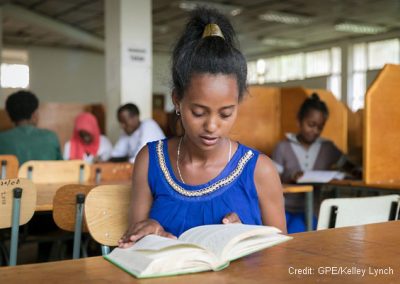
pixel 162 80
pixel 311 83
pixel 67 75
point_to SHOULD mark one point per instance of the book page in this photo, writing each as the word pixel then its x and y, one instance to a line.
pixel 217 238
pixel 320 176
pixel 155 256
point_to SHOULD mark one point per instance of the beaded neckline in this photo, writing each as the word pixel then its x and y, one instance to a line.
pixel 206 189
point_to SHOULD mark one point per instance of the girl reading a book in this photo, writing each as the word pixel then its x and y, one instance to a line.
pixel 203 177
pixel 306 151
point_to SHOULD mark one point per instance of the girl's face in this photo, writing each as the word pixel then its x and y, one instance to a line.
pixel 311 126
pixel 129 123
pixel 86 137
pixel 208 109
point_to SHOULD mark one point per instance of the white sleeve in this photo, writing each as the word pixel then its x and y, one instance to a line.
pixel 121 148
pixel 152 132
pixel 105 149
pixel 67 147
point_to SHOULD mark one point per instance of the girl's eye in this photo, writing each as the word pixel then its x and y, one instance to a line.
pixel 197 114
pixel 225 115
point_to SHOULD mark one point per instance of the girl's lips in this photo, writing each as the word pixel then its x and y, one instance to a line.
pixel 209 141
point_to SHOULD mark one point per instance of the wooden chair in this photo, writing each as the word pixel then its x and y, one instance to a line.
pixel 68 204
pixel 18 202
pixel 110 172
pixel 106 214
pixel 9 166
pixel 74 171
pixel 343 212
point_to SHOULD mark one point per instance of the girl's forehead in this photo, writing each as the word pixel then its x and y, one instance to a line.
pixel 211 87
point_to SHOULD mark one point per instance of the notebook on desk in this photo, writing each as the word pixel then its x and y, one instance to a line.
pixel 320 176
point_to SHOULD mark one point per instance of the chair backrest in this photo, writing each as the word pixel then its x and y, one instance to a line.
pixel 64 205
pixel 74 171
pixel 28 201
pixel 107 172
pixel 9 166
pixel 106 213
pixel 343 212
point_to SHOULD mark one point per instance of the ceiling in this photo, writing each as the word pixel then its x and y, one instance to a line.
pixel 80 23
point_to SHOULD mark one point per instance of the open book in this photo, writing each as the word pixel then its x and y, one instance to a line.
pixel 209 247
pixel 320 176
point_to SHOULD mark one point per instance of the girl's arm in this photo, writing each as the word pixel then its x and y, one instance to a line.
pixel 141 201
pixel 270 193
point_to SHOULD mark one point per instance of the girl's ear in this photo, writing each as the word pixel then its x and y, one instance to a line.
pixel 175 99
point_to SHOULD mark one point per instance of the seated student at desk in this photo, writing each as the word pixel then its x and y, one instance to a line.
pixel 25 140
pixel 136 133
pixel 87 143
pixel 306 151
pixel 203 177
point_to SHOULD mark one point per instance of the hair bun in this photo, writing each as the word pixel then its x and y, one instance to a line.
pixel 314 96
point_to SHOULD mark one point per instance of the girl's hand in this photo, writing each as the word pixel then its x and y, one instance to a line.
pixel 141 229
pixel 231 218
pixel 297 175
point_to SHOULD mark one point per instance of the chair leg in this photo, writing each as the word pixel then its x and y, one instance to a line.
pixel 17 192
pixel 105 250
pixel 80 199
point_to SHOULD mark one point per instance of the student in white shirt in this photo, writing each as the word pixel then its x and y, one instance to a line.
pixel 136 133
pixel 87 143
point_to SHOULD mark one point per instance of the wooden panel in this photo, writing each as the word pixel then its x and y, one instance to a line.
pixel 112 172
pixel 64 205
pixel 59 117
pixel 55 171
pixel 106 212
pixel 258 121
pixel 11 166
pixel 382 127
pixel 5 121
pixel 28 201
pixel 355 136
pixel 336 126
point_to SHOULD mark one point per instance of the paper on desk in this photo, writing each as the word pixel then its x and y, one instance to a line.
pixel 320 176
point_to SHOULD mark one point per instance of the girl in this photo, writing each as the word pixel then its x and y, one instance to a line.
pixel 87 143
pixel 306 151
pixel 203 177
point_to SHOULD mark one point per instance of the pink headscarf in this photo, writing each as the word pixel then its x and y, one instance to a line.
pixel 85 121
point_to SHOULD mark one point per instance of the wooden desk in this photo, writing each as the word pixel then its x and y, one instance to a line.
pixel 46 192
pixel 309 201
pixel 362 247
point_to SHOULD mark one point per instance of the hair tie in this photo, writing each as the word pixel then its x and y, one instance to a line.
pixel 212 30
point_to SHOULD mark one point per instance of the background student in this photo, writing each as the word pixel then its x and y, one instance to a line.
pixel 87 143
pixel 25 140
pixel 203 177
pixel 306 151
pixel 136 133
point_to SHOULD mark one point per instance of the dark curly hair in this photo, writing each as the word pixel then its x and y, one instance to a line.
pixel 21 105
pixel 312 103
pixel 131 108
pixel 212 54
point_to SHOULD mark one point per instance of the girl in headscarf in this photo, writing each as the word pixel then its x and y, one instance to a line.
pixel 87 143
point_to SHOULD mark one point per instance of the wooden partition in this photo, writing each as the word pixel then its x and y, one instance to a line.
pixel 336 126
pixel 60 117
pixel 258 121
pixel 5 121
pixel 382 128
pixel 355 136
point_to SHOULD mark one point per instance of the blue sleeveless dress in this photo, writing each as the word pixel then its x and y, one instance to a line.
pixel 179 207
